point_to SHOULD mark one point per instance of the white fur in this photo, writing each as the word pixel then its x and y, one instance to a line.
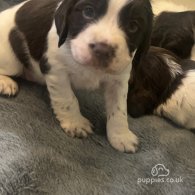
pixel 9 65
pixel 181 106
pixel 117 127
pixel 8 86
pixel 66 71
pixel 174 68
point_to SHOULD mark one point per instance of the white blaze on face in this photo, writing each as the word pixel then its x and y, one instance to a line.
pixel 105 30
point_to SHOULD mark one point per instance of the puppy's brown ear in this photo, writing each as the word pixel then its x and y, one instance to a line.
pixel 61 19
pixel 145 42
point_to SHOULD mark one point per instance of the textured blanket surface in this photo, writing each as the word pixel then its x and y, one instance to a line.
pixel 36 157
pixel 4 4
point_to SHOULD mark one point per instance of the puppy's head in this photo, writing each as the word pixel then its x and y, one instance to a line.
pixel 175 36
pixel 105 34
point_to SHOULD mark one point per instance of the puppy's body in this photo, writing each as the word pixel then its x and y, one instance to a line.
pixel 180 108
pixel 87 44
pixel 174 29
pixel 163 85
pixel 167 84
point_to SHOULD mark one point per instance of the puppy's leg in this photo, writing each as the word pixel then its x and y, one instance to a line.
pixel 119 135
pixel 66 106
pixel 9 66
pixel 8 86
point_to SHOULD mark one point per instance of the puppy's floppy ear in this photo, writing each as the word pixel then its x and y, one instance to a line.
pixel 145 42
pixel 61 19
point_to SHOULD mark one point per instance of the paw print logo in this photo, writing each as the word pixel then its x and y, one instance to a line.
pixel 160 170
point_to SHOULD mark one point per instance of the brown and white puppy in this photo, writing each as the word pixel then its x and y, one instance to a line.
pixel 81 43
pixel 164 85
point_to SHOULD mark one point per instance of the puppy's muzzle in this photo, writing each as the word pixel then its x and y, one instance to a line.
pixel 102 53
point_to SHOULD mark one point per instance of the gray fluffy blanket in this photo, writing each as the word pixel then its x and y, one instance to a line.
pixel 36 157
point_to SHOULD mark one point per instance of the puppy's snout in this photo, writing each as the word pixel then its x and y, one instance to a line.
pixel 102 51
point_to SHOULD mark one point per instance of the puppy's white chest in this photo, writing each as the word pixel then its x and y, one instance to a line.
pixel 85 79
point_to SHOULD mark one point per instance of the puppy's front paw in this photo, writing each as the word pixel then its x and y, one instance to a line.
pixel 8 86
pixel 77 127
pixel 124 142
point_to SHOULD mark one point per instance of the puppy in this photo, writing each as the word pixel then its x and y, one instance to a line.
pixel 163 85
pixel 81 43
pixel 174 29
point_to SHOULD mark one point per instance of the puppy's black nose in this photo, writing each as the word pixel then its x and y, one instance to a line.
pixel 102 50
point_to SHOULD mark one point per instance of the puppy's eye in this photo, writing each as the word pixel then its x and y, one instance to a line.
pixel 133 27
pixel 88 12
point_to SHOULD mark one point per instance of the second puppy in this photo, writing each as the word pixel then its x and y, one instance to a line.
pixel 174 29
pixel 164 85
